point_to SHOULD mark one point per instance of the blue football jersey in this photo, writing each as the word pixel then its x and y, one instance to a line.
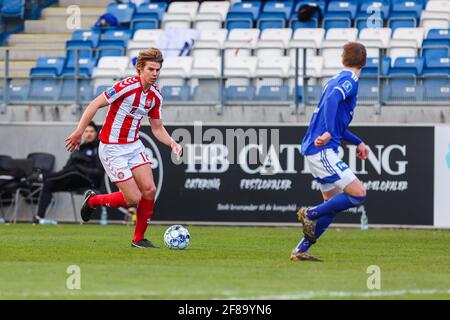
pixel 333 113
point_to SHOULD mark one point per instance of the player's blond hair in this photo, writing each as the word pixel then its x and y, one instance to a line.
pixel 152 54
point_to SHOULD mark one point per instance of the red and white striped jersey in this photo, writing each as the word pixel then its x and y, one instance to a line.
pixel 129 103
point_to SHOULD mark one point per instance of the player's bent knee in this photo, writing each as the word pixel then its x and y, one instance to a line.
pixel 357 200
pixel 133 199
pixel 149 192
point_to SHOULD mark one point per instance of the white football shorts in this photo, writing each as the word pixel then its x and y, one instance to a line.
pixel 119 160
pixel 329 170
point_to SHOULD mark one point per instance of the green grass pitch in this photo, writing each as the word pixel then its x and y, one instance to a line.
pixel 221 262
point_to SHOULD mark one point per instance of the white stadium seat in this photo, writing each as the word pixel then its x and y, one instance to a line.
pixel 180 14
pixel 206 67
pixel 210 42
pixel 273 42
pixel 109 70
pixel 241 42
pixel 272 71
pixel 211 15
pixel 151 35
pixel 332 47
pixel 342 34
pixel 240 70
pixel 175 71
pixel 438 6
pixel 405 43
pixel 314 66
pixel 308 37
pixel 434 20
pixel 374 39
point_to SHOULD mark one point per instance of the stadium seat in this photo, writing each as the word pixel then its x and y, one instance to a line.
pixel 18 91
pixel 295 24
pixel 240 70
pixel 345 9
pixel 176 71
pixel 341 34
pixel 403 89
pixel 434 20
pixel 148 16
pixel 243 14
pixel 405 42
pixel 367 89
pixel 372 66
pixel 436 88
pixel 368 7
pixel 313 93
pixel 314 66
pixel 405 14
pixel 240 93
pixel 122 11
pixel 48 66
pixel 437 43
pixel 274 15
pixel 374 39
pixel 176 93
pixel 12 9
pixel 109 70
pixel 143 39
pixel 307 37
pixel 272 71
pixel 211 15
pixel 68 90
pixel 210 42
pixel 331 21
pixel 180 14
pixel 437 65
pixel 273 93
pixel 273 42
pixel 438 6
pixel 206 67
pixel 42 90
pixel 113 43
pixel 407 65
pixel 241 42
pixel 86 67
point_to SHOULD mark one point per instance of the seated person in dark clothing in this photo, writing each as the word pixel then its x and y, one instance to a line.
pixel 83 169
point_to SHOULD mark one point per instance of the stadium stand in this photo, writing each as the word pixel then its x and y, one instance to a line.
pixel 254 48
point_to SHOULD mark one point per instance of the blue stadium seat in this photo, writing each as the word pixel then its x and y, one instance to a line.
pixel 86 66
pixel 268 20
pixel 18 92
pixel 13 9
pixel 406 8
pixel 148 16
pixel 346 9
pixel 296 24
pixel 410 66
pixel 367 88
pixel 278 7
pixel 368 7
pixel 436 44
pixel 176 93
pixel 44 89
pixel 243 15
pixel 331 21
pixel 113 43
pixel 437 65
pixel 313 93
pixel 437 88
pixel 91 37
pixel 319 3
pixel 402 89
pixel 402 22
pixel 68 90
pixel 48 66
pixel 151 10
pixel 240 93
pixel 122 11
pixel 371 66
pixel 273 93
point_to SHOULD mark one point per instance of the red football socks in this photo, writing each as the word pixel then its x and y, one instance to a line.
pixel 143 215
pixel 113 200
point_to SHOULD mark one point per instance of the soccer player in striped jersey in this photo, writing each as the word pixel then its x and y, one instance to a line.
pixel 121 152
pixel 340 188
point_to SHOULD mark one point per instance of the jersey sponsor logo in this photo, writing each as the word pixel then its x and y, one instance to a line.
pixel 347 85
pixel 111 92
pixel 342 166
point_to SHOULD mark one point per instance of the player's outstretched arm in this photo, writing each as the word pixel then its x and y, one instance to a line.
pixel 73 141
pixel 163 136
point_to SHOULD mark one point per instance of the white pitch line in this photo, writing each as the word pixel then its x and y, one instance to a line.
pixel 232 295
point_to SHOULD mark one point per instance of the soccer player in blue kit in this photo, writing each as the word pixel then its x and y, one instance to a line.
pixel 340 188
